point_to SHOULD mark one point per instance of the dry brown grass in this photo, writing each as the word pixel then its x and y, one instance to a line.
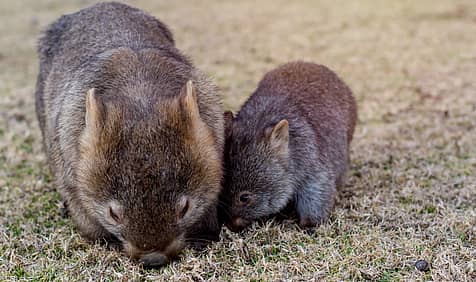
pixel 411 193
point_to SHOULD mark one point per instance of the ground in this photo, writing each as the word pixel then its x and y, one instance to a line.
pixel 411 192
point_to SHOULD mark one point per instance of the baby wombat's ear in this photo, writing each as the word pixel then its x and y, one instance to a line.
pixel 228 116
pixel 95 113
pixel 278 136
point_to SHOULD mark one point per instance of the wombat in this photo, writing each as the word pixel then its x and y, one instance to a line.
pixel 133 132
pixel 289 145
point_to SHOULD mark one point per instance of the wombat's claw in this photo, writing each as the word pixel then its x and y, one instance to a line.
pixel 310 230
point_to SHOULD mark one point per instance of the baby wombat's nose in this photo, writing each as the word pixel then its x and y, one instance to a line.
pixel 154 260
pixel 238 224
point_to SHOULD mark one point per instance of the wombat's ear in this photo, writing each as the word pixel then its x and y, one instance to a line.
pixel 188 100
pixel 279 136
pixel 95 111
pixel 228 116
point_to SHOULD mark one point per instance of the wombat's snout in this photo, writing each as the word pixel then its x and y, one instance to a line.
pixel 155 258
pixel 237 224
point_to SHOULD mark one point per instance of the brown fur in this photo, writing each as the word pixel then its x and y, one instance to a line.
pixel 289 144
pixel 133 132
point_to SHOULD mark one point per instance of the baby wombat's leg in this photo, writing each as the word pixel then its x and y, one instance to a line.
pixel 340 181
pixel 342 176
pixel 314 202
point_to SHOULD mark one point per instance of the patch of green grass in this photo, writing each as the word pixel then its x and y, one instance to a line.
pixel 24 168
pixel 19 272
pixel 428 209
pixel 389 276
pixel 27 145
pixel 15 228
pixel 48 274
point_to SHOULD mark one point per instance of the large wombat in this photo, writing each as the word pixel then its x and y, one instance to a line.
pixel 289 144
pixel 133 132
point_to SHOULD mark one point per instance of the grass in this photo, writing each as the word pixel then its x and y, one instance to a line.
pixel 411 192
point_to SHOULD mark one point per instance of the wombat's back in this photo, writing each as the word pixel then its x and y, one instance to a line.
pixel 319 94
pixel 319 107
pixel 101 27
pixel 70 43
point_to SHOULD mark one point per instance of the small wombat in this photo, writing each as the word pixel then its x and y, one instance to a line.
pixel 289 144
pixel 133 132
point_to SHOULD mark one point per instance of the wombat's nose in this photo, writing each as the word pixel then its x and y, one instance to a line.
pixel 154 260
pixel 158 259
pixel 238 224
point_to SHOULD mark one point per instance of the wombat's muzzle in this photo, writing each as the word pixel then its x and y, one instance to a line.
pixel 237 224
pixel 158 259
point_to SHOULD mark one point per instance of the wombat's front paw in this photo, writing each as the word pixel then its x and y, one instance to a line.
pixel 306 222
pixel 310 221
pixel 201 240
pixel 199 245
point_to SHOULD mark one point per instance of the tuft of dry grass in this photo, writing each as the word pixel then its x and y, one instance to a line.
pixel 411 192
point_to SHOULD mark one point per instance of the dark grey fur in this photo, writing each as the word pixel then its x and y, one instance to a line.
pixel 313 161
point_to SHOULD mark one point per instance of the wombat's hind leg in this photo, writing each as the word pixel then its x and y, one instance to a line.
pixel 342 177
pixel 314 203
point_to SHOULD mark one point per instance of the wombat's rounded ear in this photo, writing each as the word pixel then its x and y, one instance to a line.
pixel 95 111
pixel 278 136
pixel 188 100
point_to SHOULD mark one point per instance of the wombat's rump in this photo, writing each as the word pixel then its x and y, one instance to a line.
pixel 132 131
pixel 289 143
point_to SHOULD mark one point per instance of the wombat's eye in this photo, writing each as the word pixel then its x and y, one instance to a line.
pixel 244 198
pixel 183 207
pixel 114 213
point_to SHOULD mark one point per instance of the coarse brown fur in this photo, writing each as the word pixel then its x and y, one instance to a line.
pixel 135 148
pixel 289 143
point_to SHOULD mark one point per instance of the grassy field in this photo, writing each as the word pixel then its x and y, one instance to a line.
pixel 411 192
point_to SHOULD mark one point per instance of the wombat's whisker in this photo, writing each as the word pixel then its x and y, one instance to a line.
pixel 223 204
pixel 198 240
pixel 224 208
